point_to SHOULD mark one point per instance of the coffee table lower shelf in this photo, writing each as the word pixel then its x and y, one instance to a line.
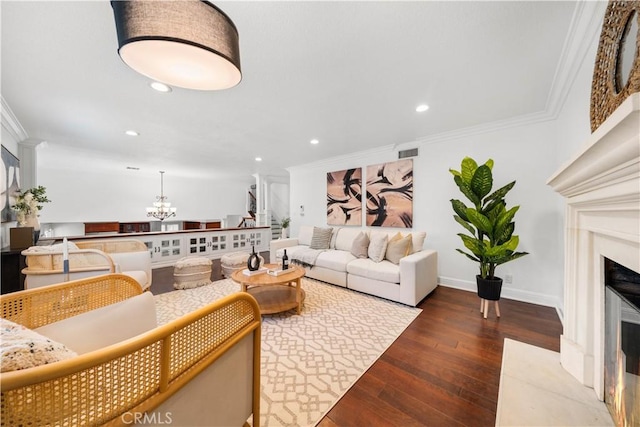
pixel 276 298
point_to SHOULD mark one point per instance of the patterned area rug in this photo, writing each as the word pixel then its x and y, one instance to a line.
pixel 310 360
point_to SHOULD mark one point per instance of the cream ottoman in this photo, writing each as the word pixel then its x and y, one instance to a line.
pixel 191 272
pixel 235 260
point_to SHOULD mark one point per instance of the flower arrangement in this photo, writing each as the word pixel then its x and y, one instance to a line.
pixel 29 202
pixel 285 222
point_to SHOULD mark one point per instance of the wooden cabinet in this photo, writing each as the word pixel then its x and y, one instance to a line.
pixel 201 225
pixel 101 227
pixel 134 227
pixel 116 227
pixel 12 264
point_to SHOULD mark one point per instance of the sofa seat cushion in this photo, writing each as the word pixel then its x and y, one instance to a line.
pixel 384 271
pixel 290 251
pixel 335 260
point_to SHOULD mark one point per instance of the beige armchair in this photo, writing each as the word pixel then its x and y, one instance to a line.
pixel 200 369
pixel 87 258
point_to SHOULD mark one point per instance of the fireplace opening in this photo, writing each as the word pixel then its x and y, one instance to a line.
pixel 622 344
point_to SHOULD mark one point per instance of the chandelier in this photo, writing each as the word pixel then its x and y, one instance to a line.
pixel 161 208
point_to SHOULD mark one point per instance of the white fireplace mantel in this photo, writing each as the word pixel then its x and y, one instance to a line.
pixel 601 185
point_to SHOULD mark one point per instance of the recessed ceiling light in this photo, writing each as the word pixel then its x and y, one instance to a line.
pixel 132 133
pixel 314 141
pixel 422 108
pixel 258 159
pixel 160 87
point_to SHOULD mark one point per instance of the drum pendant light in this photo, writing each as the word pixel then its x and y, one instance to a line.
pixel 190 44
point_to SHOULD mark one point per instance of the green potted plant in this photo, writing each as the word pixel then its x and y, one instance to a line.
pixel 491 241
pixel 284 224
pixel 28 205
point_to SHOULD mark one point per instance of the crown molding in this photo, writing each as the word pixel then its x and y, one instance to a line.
pixel 584 30
pixel 523 120
pixel 585 26
pixel 11 123
pixel 353 157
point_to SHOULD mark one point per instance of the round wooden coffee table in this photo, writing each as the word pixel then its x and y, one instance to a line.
pixel 274 294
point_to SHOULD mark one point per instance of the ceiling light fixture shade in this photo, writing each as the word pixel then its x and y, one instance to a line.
pixel 161 209
pixel 190 44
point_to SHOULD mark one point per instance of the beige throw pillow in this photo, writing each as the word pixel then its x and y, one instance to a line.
pixel 377 247
pixel 360 246
pixel 398 247
pixel 321 238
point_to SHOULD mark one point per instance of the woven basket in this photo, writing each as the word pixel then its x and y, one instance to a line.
pixel 607 91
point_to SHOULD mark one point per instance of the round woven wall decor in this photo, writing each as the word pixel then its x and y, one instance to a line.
pixel 610 87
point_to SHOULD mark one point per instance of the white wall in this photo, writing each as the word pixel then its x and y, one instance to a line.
pixel 279 198
pixel 524 154
pixel 530 154
pixel 123 195
pixel 573 128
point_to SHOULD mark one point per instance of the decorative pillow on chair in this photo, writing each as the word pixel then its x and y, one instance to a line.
pixel 321 238
pixel 23 348
pixel 360 246
pixel 398 247
pixel 377 247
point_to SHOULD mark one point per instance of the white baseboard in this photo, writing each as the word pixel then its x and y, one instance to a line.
pixel 509 293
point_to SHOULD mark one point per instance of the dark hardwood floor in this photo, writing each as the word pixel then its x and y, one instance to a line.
pixel 444 370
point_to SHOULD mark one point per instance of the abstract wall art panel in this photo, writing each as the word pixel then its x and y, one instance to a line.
pixel 344 197
pixel 10 184
pixel 390 194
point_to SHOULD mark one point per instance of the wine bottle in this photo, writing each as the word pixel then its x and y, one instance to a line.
pixel 285 261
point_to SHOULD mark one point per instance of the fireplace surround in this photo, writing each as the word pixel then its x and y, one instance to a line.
pixel 622 344
pixel 601 185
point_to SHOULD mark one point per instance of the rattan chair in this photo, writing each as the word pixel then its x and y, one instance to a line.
pixel 200 369
pixel 88 258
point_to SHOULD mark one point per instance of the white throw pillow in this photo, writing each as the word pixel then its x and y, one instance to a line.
pixel 417 241
pixel 360 247
pixel 377 247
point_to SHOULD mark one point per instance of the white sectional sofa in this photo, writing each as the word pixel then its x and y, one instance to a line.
pixel 407 282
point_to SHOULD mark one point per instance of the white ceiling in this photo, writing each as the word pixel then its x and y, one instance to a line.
pixel 347 73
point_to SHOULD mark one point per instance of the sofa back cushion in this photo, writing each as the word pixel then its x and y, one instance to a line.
pixel 305 234
pixel 345 238
pixel 104 326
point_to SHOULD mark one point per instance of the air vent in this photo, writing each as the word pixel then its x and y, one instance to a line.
pixel 408 153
